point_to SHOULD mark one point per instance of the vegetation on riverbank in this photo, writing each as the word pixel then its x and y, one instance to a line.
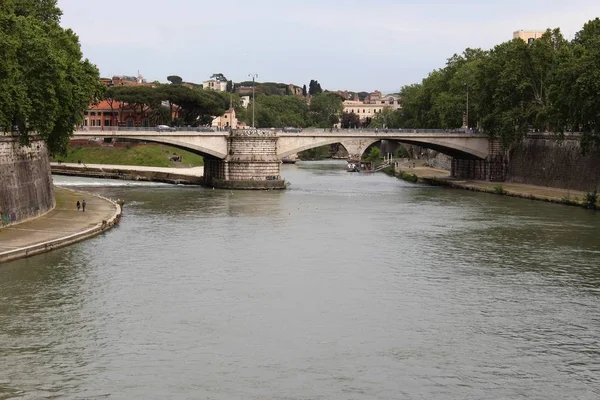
pixel 46 84
pixel 546 85
pixel 150 155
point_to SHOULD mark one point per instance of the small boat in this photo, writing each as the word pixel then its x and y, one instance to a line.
pixel 288 160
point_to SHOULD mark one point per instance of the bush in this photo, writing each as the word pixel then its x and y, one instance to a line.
pixel 590 200
pixel 405 176
pixel 498 189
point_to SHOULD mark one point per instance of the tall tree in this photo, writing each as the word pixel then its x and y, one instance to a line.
pixel 46 85
pixel 314 88
pixel 304 90
pixel 175 80
pixel 325 110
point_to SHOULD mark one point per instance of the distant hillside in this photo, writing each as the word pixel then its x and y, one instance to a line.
pixel 268 88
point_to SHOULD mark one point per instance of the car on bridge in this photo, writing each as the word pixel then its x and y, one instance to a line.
pixel 165 128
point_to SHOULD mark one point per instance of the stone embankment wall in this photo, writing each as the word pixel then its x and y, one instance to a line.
pixel 545 161
pixel 26 189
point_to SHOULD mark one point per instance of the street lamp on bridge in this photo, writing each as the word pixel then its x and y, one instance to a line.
pixel 253 76
pixel 467 112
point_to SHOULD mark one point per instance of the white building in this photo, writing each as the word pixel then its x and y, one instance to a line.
pixel 213 84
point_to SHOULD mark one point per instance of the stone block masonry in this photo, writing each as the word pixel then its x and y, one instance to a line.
pixel 545 161
pixel 26 189
pixel 251 163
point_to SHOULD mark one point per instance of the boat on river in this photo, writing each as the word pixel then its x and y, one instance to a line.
pixel 359 166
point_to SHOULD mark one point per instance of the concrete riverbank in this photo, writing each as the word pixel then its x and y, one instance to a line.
pixel 440 177
pixel 62 226
pixel 181 176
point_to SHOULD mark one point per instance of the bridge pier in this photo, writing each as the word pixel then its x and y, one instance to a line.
pixel 251 162
pixel 493 168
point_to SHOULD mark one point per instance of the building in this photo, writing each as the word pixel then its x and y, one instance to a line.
pixel 111 113
pixel 226 121
pixel 528 36
pixel 125 80
pixel 213 84
pixel 295 90
pixel 374 103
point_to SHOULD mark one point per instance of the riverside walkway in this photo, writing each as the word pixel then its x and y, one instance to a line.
pixel 512 189
pixel 131 172
pixel 62 226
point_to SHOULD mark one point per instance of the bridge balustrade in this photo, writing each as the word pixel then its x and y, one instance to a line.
pixel 274 131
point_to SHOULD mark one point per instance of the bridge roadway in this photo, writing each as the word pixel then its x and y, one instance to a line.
pixel 215 143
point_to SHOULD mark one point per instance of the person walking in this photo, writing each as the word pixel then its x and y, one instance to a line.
pixel 78 205
pixel 83 205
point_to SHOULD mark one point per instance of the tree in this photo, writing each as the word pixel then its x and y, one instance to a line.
pixel 229 87
pixel 280 111
pixel 374 155
pixel 386 118
pixel 218 77
pixel 325 110
pixel 349 120
pixel 45 86
pixel 175 80
pixel 314 88
pixel 304 90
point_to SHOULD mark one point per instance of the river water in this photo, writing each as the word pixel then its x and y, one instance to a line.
pixel 344 286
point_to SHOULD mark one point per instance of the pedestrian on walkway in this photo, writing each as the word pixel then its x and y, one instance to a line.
pixel 78 205
pixel 83 205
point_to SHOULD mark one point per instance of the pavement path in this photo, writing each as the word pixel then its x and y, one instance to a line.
pixel 521 189
pixel 195 171
pixel 62 221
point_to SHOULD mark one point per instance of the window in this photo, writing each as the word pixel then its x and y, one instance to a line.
pixel 107 122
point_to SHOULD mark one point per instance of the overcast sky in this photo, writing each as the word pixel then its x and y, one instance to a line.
pixel 344 44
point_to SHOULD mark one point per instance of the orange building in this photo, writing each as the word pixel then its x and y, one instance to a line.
pixel 110 113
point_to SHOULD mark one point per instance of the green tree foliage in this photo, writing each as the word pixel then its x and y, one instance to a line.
pixel 304 90
pixel 349 120
pixel 325 110
pixel 219 77
pixel 374 155
pixel 175 80
pixel 551 84
pixel 387 118
pixel 280 112
pixel 45 86
pixel 314 88
pixel 194 106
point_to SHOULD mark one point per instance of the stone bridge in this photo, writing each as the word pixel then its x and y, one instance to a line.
pixel 252 158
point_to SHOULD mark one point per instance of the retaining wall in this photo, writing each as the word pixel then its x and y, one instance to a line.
pixel 542 160
pixel 26 189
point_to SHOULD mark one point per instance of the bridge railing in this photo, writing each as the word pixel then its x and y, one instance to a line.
pixel 148 129
pixel 275 131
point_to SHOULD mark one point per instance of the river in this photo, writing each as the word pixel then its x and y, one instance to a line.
pixel 344 286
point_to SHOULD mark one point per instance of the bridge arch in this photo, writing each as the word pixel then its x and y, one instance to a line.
pixel 457 147
pixel 213 146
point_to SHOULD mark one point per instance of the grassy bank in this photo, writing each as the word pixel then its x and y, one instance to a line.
pixel 149 155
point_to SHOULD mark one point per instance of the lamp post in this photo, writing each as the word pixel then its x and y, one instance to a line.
pixel 253 76
pixel 467 124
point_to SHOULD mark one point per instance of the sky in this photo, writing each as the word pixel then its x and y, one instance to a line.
pixel 345 45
